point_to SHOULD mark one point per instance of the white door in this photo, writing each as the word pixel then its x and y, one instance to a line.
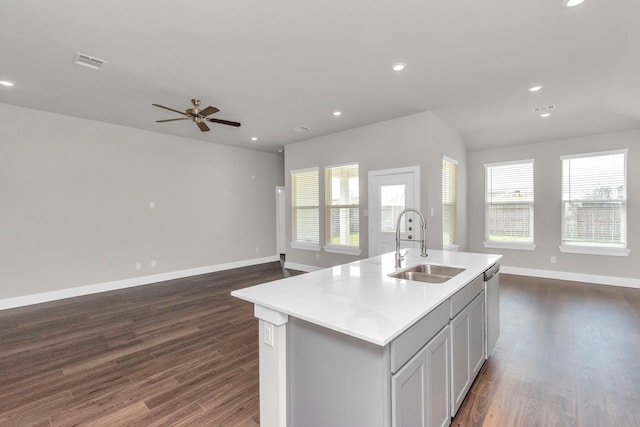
pixel 281 220
pixel 391 191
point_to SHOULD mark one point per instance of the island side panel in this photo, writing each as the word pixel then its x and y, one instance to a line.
pixel 335 379
pixel 273 374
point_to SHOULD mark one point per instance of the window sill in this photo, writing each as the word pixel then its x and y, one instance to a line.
pixel 520 246
pixel 452 248
pixel 343 249
pixel 593 250
pixel 306 246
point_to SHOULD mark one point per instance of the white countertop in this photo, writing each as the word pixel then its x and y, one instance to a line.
pixel 360 300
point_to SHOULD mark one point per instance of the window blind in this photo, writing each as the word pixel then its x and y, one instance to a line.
pixel 449 202
pixel 594 199
pixel 509 202
pixel 305 206
pixel 342 205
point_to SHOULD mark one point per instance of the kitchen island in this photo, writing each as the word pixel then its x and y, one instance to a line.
pixel 343 345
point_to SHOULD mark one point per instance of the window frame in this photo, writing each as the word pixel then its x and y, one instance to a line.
pixel 594 248
pixel 503 244
pixel 303 244
pixel 339 248
pixel 453 226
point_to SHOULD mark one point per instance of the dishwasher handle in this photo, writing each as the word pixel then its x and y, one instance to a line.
pixel 491 271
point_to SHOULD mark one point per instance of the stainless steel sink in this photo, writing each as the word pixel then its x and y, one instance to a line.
pixel 428 273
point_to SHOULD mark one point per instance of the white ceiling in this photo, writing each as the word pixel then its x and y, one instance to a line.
pixel 275 65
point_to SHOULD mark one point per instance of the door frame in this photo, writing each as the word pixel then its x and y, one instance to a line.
pixel 372 209
pixel 281 221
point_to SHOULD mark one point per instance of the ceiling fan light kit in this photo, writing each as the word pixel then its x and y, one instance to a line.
pixel 199 117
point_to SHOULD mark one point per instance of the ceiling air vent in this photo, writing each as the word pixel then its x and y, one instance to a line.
pixel 88 61
pixel 544 108
pixel 301 129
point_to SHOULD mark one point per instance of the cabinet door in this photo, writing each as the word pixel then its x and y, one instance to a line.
pixel 467 349
pixel 420 389
pixel 477 339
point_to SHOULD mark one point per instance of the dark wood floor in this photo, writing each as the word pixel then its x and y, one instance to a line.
pixel 568 355
pixel 185 353
pixel 182 352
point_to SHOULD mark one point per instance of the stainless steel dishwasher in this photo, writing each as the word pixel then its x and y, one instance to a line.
pixel 492 305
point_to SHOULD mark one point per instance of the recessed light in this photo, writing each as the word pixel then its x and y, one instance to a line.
pixel 573 3
pixel 6 83
pixel 545 115
pixel 337 113
pixel 399 66
pixel 254 138
pixel 535 88
pixel 279 150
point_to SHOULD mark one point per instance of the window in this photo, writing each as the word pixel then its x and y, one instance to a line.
pixel 449 203
pixel 594 203
pixel 305 213
pixel 342 188
pixel 509 205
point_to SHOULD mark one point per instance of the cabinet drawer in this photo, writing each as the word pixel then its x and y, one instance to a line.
pixel 413 339
pixel 465 295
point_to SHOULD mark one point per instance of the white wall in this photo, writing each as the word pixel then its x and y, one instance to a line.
pixel 415 140
pixel 547 187
pixel 74 202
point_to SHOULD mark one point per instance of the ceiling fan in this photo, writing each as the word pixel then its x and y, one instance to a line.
pixel 199 117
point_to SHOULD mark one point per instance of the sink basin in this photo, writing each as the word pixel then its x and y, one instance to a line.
pixel 428 273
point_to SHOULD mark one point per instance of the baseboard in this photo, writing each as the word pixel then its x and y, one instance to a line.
pixel 575 277
pixel 301 267
pixel 126 283
pixel 145 280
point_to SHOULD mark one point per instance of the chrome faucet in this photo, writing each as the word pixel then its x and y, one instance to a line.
pixel 423 231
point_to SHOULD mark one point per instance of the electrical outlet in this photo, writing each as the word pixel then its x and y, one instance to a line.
pixel 553 260
pixel 268 334
pixel 257 249
pixel 138 266
pixel 153 263
pixel 152 204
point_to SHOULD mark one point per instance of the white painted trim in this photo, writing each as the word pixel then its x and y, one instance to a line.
pixel 519 246
pixel 343 249
pixel 312 169
pixel 624 151
pixel 269 315
pixel 301 267
pixel 306 246
pixel 25 300
pixel 272 372
pixel 511 162
pixel 575 277
pixel 449 159
pixel 594 250
pixel 395 171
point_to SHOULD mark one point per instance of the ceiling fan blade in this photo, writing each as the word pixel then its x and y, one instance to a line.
pixel 208 111
pixel 171 120
pixel 203 127
pixel 224 122
pixel 170 109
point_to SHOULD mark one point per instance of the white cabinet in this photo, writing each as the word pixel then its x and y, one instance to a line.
pixel 467 349
pixel 420 389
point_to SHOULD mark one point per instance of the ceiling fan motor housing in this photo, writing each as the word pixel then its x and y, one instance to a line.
pixel 198 117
